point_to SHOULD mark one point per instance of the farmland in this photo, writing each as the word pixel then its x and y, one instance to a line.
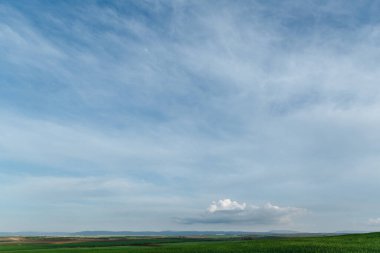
pixel 362 243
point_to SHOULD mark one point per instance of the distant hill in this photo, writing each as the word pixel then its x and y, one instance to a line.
pixel 173 233
pixel 160 233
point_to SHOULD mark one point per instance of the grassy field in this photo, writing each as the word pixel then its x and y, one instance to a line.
pixel 364 243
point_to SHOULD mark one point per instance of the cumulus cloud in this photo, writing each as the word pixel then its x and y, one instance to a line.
pixel 227 211
pixel 374 222
pixel 225 205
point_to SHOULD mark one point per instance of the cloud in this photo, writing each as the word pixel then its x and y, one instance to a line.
pixel 226 205
pixel 269 97
pixel 227 211
pixel 68 188
pixel 374 222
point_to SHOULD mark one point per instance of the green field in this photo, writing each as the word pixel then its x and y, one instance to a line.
pixel 324 244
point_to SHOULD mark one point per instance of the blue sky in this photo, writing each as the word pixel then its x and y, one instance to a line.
pixel 155 115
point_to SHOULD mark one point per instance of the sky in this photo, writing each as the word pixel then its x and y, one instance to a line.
pixel 189 115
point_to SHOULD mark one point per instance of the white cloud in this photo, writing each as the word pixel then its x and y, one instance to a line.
pixel 62 190
pixel 226 204
pixel 374 222
pixel 212 92
pixel 227 211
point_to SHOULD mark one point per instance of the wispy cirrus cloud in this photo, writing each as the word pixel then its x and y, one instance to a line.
pixel 201 102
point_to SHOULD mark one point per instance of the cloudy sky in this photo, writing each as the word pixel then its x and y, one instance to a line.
pixel 189 115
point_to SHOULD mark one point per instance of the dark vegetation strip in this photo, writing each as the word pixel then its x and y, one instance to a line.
pixel 365 243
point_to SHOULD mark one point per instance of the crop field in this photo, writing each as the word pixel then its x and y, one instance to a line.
pixel 324 244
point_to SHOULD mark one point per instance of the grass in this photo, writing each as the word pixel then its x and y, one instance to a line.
pixel 364 243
